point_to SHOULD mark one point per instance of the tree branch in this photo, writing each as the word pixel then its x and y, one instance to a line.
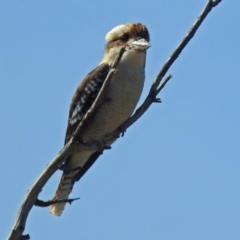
pixel 56 163
pixel 74 143
pixel 158 85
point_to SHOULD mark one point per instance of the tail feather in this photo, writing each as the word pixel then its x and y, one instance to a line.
pixel 78 159
pixel 64 189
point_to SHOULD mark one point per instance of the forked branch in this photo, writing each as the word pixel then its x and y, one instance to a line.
pixel 31 197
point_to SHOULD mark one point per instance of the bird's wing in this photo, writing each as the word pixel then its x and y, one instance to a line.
pixel 82 101
pixel 84 97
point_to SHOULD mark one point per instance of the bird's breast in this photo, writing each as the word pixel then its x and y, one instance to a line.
pixel 117 103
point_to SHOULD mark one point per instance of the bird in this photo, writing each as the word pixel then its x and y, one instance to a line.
pixel 115 106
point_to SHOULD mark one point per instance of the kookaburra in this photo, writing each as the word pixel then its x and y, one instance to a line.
pixel 122 94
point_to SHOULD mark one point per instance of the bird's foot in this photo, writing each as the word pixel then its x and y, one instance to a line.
pixel 122 130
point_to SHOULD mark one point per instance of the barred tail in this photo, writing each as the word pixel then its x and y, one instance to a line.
pixel 67 181
pixel 64 189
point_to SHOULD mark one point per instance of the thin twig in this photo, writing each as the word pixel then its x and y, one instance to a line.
pixel 25 237
pixel 40 203
pixel 163 83
pixel 183 43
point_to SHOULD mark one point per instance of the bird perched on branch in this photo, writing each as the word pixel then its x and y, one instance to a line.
pixel 115 105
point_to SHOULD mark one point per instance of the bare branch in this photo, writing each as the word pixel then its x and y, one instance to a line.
pixel 74 143
pixel 55 164
pixel 183 43
pixel 163 83
pixel 157 86
pixel 31 197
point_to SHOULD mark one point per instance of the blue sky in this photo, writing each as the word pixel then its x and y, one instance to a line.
pixel 175 173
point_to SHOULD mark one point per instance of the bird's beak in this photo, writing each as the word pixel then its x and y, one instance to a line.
pixel 140 44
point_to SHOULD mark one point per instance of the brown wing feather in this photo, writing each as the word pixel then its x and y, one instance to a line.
pixel 84 97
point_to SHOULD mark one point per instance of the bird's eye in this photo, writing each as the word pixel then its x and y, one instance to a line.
pixel 125 37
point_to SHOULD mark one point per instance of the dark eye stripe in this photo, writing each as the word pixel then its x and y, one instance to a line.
pixel 125 37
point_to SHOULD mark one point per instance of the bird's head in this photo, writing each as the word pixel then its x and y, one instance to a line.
pixel 134 36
